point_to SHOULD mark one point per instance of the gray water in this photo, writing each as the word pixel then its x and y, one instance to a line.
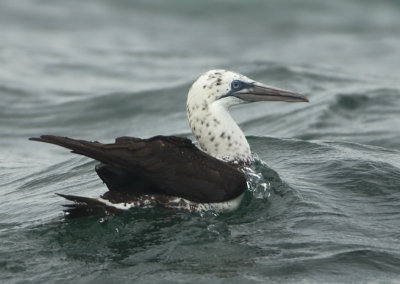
pixel 324 204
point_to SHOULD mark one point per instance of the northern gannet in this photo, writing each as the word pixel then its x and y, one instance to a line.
pixel 171 172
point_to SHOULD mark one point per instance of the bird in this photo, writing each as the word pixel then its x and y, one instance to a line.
pixel 170 171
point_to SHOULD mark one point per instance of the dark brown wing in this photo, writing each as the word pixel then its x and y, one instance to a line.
pixel 162 164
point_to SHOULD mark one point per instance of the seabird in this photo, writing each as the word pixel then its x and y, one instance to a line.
pixel 170 171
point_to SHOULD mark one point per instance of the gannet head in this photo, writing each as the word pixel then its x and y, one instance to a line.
pixel 232 88
pixel 208 102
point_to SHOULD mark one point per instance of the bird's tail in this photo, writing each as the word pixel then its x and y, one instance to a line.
pixel 86 206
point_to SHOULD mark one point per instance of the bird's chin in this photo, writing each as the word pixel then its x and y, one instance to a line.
pixel 231 101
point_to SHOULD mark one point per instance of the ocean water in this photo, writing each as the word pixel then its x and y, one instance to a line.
pixel 323 205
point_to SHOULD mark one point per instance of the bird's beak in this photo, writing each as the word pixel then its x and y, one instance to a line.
pixel 260 92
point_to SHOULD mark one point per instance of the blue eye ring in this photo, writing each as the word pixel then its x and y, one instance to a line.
pixel 236 85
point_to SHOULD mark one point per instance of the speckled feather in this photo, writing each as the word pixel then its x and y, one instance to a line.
pixel 211 124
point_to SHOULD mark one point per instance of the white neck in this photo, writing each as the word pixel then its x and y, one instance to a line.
pixel 218 134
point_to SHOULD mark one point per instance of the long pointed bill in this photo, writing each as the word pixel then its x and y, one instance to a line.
pixel 260 92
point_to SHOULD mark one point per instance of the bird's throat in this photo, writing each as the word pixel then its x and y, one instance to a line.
pixel 218 134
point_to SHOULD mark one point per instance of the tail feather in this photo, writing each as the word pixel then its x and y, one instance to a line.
pixel 86 206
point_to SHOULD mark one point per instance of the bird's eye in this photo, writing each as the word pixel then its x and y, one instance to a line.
pixel 236 85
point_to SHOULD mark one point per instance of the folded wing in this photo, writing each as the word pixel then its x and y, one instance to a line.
pixel 166 165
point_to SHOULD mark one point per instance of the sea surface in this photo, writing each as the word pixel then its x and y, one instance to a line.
pixel 323 204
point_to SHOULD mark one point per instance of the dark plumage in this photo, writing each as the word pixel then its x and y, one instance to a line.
pixel 162 166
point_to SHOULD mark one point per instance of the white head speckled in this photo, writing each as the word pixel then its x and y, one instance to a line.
pixel 212 125
pixel 207 106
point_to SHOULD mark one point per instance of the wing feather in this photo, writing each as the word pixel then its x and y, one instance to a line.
pixel 169 165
